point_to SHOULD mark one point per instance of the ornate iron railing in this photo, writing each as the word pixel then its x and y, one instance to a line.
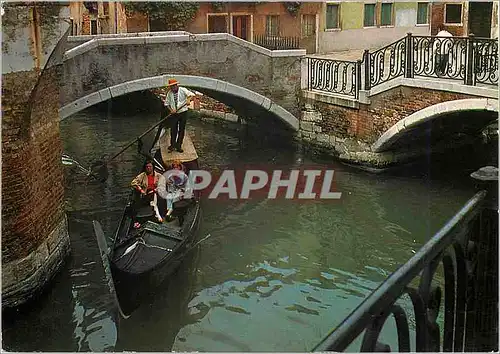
pixel 467 249
pixel 386 63
pixel 468 59
pixel 443 57
pixel 334 76
pixel 485 61
pixel 277 42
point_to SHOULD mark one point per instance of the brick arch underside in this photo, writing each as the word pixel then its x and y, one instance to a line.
pixel 203 84
pixel 440 121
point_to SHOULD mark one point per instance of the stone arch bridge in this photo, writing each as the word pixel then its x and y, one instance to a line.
pixel 219 65
pixel 395 114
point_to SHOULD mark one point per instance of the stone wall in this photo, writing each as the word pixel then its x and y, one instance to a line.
pixel 349 130
pixel 35 238
pixel 368 122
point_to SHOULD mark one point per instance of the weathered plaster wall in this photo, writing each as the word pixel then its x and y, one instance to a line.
pixel 34 232
pixel 352 35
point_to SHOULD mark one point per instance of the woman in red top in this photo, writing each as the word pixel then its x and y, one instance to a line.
pixel 146 183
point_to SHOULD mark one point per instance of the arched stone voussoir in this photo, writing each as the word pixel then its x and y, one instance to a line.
pixel 399 129
pixel 195 82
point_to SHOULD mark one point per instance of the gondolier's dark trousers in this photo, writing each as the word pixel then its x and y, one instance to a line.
pixel 178 126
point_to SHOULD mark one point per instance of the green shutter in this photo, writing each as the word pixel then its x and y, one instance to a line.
pixel 422 13
pixel 369 15
pixel 386 15
pixel 332 16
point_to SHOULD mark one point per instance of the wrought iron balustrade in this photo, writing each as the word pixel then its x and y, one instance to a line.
pixel 468 59
pixel 485 56
pixel 444 57
pixel 334 76
pixel 277 42
pixel 385 63
pixel 467 250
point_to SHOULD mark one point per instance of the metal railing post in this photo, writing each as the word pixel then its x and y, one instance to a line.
pixel 409 56
pixel 358 77
pixel 366 59
pixel 309 73
pixel 469 75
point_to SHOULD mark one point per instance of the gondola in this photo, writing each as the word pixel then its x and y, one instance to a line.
pixel 139 260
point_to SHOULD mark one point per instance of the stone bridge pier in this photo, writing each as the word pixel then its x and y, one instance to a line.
pixel 398 123
pixel 35 238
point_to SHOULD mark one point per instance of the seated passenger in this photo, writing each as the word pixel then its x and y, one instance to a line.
pixel 173 186
pixel 145 185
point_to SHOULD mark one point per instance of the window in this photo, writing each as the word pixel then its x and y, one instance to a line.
pixel 369 15
pixel 91 7
pixel 386 14
pixel 105 8
pixel 217 24
pixel 93 26
pixel 308 25
pixel 72 27
pixel 272 25
pixel 422 13
pixel 453 13
pixel 332 16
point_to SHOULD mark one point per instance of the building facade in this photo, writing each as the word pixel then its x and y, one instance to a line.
pixel 97 17
pixel 262 22
pixel 370 24
pixel 465 18
pixel 318 27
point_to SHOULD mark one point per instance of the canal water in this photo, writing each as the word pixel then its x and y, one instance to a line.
pixel 272 276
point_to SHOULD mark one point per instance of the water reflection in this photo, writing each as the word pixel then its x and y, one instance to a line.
pixel 275 275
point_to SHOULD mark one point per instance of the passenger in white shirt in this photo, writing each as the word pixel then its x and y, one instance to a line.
pixel 442 48
pixel 177 101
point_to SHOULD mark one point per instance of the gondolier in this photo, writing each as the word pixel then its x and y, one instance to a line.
pixel 177 101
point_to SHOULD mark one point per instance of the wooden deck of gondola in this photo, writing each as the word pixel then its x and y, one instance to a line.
pixel 168 157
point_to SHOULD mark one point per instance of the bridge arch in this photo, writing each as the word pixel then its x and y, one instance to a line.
pixel 417 119
pixel 190 81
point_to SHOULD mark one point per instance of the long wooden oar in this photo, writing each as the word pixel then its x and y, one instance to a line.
pixel 99 169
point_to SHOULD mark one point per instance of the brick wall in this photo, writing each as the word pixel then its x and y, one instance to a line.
pixel 85 24
pixel 369 122
pixel 438 20
pixel 32 178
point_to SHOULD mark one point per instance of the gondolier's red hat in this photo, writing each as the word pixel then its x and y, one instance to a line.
pixel 172 82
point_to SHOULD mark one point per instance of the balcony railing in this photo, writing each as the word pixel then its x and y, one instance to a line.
pixel 277 42
pixel 467 250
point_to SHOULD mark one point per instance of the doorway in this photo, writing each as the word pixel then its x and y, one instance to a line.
pixel 480 18
pixel 241 26
pixel 308 33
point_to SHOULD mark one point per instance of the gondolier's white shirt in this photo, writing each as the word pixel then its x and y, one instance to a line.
pixel 441 45
pixel 183 94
